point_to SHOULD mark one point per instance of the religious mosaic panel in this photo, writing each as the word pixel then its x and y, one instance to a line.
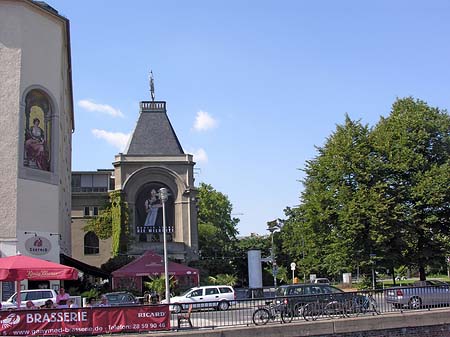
pixel 38 124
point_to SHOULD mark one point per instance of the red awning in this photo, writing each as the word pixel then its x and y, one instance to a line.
pixel 152 264
pixel 21 267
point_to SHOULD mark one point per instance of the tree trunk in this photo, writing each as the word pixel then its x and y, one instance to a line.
pixel 422 275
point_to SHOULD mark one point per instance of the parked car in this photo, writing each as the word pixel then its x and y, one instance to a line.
pixel 121 298
pixel 422 293
pixel 322 280
pixel 38 296
pixel 298 295
pixel 218 297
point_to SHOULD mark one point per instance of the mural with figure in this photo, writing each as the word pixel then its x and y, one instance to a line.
pixel 149 219
pixel 37 130
pixel 152 206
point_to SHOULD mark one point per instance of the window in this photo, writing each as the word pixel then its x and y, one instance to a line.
pixel 211 291
pixel 87 211
pixel 76 183
pixel 196 293
pixel 95 211
pixel 225 290
pixel 91 244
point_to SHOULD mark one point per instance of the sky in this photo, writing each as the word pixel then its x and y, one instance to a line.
pixel 252 87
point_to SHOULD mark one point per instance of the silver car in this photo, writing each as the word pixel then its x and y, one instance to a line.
pixel 422 293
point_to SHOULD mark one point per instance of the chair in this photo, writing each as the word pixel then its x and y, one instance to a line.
pixel 185 317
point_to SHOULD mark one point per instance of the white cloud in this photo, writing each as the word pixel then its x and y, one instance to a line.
pixel 200 156
pixel 203 121
pixel 117 139
pixel 90 105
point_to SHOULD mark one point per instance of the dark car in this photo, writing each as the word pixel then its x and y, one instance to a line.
pixel 121 298
pixel 296 296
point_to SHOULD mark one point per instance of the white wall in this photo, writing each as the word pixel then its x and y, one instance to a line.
pixel 33 54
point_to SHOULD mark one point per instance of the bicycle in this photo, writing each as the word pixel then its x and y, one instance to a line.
pixel 333 309
pixel 361 304
pixel 272 311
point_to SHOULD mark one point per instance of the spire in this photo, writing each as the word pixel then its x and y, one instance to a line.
pixel 152 86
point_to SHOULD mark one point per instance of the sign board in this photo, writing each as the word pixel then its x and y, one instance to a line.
pixel 85 321
pixel 293 265
pixel 38 245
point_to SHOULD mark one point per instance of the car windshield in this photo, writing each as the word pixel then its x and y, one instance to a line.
pixel 186 292
pixel 333 290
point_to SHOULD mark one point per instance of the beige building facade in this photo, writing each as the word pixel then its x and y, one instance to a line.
pixel 36 118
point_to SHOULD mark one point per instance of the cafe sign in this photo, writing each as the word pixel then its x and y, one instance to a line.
pixel 38 245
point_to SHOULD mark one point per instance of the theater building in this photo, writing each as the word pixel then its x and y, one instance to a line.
pixel 153 159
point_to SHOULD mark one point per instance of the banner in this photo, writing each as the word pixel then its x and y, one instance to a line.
pixel 84 321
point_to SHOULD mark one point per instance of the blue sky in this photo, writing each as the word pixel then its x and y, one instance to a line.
pixel 251 86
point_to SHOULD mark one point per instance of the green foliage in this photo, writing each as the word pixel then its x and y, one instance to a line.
pixel 158 284
pixel 282 274
pixel 119 216
pixel 379 191
pixel 101 225
pixel 91 293
pixel 217 230
pixel 223 279
pixel 112 221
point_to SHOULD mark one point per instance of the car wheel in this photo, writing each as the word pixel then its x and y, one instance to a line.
pixel 223 305
pixel 415 302
pixel 177 308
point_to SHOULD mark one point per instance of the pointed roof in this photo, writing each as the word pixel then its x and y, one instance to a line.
pixel 150 264
pixel 153 134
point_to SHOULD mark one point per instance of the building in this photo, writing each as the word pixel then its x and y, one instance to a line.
pixel 37 121
pixel 152 160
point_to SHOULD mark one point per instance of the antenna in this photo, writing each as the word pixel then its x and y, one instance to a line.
pixel 152 86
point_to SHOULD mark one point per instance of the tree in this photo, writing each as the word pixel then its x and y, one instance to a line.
pixel 224 279
pixel 333 222
pixel 413 151
pixel 379 191
pixel 217 230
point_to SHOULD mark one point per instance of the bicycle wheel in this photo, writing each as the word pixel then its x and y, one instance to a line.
pixel 261 316
pixel 374 306
pixel 311 312
pixel 334 310
pixel 287 315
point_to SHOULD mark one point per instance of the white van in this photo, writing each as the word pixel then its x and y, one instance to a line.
pixel 38 296
pixel 218 297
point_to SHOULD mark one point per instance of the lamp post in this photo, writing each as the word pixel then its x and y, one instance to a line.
pixel 274 226
pixel 163 195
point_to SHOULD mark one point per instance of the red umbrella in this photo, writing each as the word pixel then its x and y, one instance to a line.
pixel 21 267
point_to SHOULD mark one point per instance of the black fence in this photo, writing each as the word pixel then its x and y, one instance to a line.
pixel 307 307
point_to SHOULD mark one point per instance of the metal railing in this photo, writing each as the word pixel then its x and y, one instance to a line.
pixel 312 307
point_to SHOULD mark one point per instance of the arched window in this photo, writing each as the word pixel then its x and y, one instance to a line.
pixel 38 131
pixel 91 244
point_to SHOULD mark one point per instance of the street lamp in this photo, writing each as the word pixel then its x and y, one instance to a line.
pixel 272 227
pixel 164 195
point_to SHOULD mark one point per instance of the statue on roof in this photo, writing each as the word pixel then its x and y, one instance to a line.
pixel 152 86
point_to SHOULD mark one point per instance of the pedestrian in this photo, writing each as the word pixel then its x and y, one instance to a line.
pixel 30 305
pixel 71 304
pixel 103 301
pixel 91 302
pixel 62 297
